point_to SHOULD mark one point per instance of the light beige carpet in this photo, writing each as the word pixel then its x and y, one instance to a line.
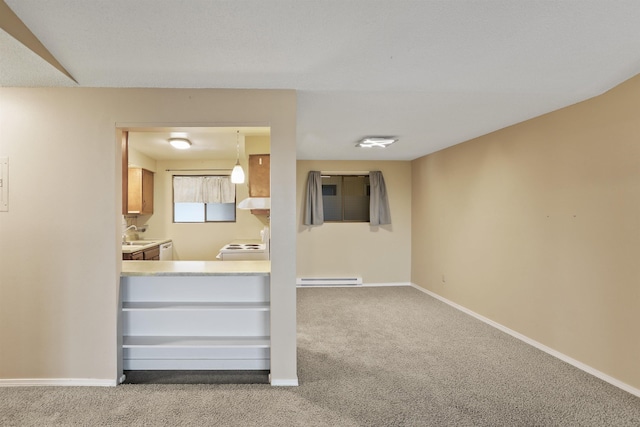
pixel 367 357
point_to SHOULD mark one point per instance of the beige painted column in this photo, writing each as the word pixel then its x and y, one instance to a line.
pixel 283 253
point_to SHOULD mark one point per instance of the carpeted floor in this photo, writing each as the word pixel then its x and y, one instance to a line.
pixel 366 357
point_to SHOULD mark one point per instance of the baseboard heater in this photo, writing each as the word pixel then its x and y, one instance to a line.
pixel 328 281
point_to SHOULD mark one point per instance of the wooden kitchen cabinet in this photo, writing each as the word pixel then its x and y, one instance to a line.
pixel 134 256
pixel 140 197
pixel 260 179
pixel 150 254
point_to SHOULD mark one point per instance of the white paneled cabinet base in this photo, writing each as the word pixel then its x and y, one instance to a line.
pixel 208 322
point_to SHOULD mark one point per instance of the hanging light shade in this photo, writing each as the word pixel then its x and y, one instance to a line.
pixel 237 174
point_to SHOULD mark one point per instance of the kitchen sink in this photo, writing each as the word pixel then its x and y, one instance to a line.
pixel 140 242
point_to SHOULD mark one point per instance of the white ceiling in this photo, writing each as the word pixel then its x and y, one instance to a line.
pixel 219 143
pixel 433 73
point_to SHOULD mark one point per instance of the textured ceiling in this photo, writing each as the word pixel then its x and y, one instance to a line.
pixel 433 73
pixel 220 143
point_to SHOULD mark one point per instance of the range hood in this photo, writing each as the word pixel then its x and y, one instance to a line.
pixel 255 203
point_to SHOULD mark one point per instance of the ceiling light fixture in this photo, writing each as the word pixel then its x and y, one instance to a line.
pixel 237 174
pixel 180 143
pixel 376 141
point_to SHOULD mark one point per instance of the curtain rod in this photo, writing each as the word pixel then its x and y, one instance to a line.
pixel 193 170
pixel 344 172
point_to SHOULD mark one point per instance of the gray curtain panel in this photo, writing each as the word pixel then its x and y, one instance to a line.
pixel 313 214
pixel 379 213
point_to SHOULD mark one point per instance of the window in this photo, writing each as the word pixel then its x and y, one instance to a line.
pixel 204 212
pixel 200 199
pixel 345 198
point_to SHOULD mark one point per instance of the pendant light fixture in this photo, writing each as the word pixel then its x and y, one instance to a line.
pixel 237 174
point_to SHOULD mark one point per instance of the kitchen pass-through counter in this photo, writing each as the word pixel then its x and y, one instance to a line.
pixel 196 268
pixel 195 315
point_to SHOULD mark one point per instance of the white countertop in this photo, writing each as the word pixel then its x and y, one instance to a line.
pixel 143 244
pixel 196 268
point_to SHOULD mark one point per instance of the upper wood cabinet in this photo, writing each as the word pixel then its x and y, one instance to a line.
pixel 125 174
pixel 140 198
pixel 259 179
pixel 259 175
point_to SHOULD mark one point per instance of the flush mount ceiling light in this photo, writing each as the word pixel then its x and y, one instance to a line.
pixel 237 174
pixel 180 143
pixel 376 141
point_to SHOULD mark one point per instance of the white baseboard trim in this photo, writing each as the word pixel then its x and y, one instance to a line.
pixel 57 382
pixel 372 285
pixel 586 368
pixel 292 382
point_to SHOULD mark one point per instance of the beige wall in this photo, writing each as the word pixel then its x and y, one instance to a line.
pixel 140 160
pixel 378 254
pixel 537 228
pixel 60 240
pixel 201 241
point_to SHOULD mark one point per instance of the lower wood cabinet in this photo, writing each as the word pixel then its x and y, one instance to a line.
pixel 151 254
pixel 134 256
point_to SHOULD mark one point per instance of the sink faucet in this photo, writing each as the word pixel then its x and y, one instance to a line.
pixel 124 233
